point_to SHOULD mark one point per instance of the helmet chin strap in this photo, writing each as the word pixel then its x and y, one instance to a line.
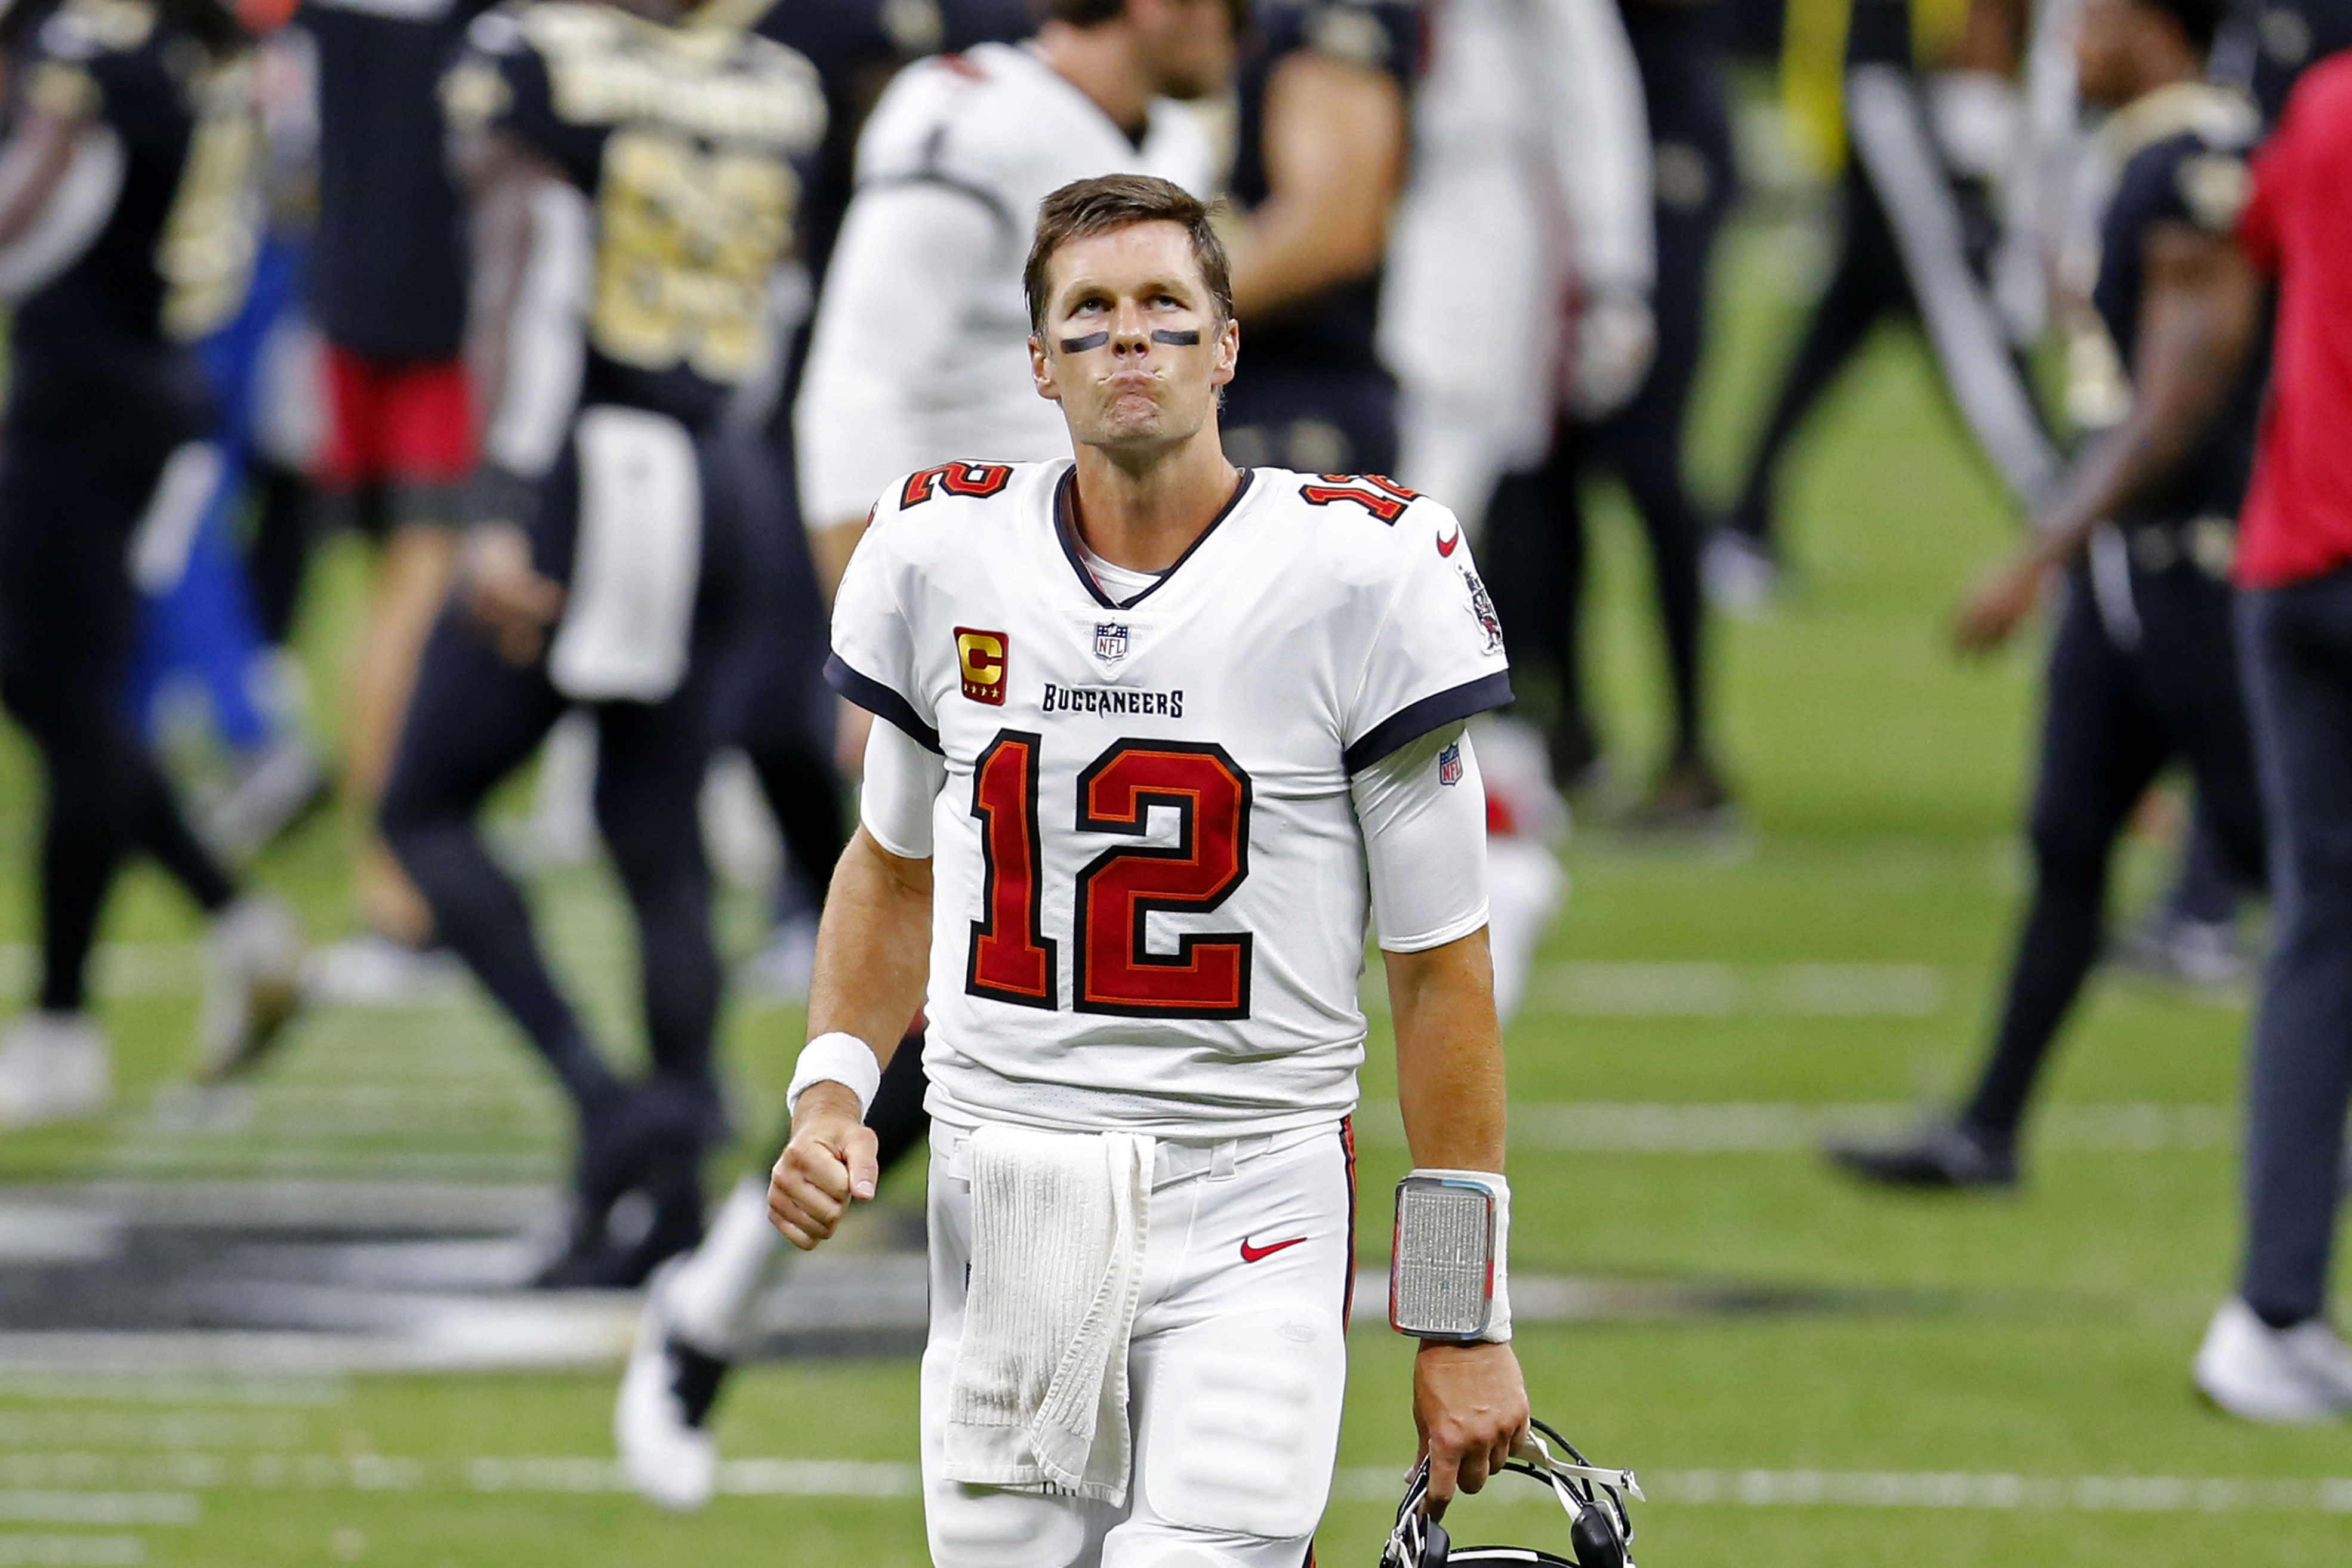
pixel 1538 1455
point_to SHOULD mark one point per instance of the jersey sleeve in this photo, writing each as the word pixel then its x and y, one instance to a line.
pixel 874 662
pixel 85 65
pixel 1378 34
pixel 900 785
pixel 1422 811
pixel 2187 180
pixel 902 271
pixel 926 132
pixel 1436 655
pixel 500 85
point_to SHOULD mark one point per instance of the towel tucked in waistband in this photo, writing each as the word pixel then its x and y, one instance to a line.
pixel 1038 1396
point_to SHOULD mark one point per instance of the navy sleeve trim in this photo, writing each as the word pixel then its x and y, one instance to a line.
pixel 1417 719
pixel 880 701
pixel 929 172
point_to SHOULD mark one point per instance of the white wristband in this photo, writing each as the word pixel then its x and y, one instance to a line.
pixel 1449 1268
pixel 836 1058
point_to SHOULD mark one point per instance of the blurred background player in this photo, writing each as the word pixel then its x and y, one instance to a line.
pixel 1537 531
pixel 388 289
pixel 1910 100
pixel 126 210
pixel 1529 191
pixel 624 244
pixel 784 713
pixel 2144 669
pixel 919 356
pixel 213 692
pixel 2271 1353
pixel 1319 161
pixel 2191 934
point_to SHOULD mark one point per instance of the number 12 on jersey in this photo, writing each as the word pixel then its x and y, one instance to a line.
pixel 1012 959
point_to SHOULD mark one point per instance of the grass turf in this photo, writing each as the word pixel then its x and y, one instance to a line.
pixel 2042 1335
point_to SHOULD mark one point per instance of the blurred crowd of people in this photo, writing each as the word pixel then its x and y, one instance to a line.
pixel 603 324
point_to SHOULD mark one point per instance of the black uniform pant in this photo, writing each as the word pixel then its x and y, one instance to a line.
pixel 776 705
pixel 1537 541
pixel 2116 711
pixel 2297 646
pixel 84 453
pixel 475 718
pixel 1870 283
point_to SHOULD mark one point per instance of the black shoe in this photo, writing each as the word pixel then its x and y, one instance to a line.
pixel 1941 1156
pixel 1690 798
pixel 633 1137
pixel 1578 763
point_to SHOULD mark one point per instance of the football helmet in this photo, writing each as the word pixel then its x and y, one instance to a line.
pixel 1599 1530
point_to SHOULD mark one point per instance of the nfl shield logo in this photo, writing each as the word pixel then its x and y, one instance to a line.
pixel 1110 640
pixel 1449 764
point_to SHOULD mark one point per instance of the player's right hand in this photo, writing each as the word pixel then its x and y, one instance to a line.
pixel 506 593
pixel 831 1159
pixel 1471 1406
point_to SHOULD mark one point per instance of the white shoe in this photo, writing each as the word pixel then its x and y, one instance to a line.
pixel 665 1397
pixel 2257 1373
pixel 1740 577
pixel 374 971
pixel 54 1067
pixel 780 971
pixel 254 988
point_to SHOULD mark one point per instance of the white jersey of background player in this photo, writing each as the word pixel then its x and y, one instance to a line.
pixel 1531 180
pixel 1160 737
pixel 917 353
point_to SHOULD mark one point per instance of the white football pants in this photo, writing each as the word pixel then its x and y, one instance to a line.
pixel 1236 1370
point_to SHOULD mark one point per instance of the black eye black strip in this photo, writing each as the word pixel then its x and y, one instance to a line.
pixel 1081 345
pixel 1186 339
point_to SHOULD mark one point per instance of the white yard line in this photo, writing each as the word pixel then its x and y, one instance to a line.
pixel 1710 990
pixel 1965 1490
pixel 1772 1126
pixel 71 1551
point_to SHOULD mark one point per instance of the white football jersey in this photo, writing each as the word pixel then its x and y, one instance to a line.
pixel 1150 890
pixel 1003 129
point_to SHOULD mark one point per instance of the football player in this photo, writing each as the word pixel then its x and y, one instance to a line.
pixel 1159 738
pixel 1536 541
pixel 2144 669
pixel 1318 164
pixel 1917 240
pixel 632 186
pixel 917 358
pixel 388 289
pixel 127 209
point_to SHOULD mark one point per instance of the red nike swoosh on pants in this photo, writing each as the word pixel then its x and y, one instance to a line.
pixel 1252 1254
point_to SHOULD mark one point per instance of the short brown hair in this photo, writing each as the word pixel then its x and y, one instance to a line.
pixel 1085 208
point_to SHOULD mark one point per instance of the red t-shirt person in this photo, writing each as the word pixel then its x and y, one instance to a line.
pixel 2297 522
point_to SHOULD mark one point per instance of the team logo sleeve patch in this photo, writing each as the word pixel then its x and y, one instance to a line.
pixel 981 657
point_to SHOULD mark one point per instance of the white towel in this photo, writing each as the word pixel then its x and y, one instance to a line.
pixel 629 615
pixel 1038 1399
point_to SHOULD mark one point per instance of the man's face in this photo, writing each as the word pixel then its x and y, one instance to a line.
pixel 1188 46
pixel 2107 45
pixel 1131 347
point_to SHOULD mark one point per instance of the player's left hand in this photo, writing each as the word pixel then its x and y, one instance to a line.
pixel 1471 1406
pixel 506 593
pixel 1998 606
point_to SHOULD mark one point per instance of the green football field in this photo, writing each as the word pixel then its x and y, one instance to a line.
pixel 1804 1373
